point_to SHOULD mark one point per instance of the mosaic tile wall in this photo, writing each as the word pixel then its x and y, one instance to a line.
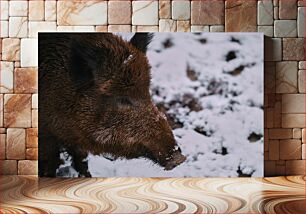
pixel 282 20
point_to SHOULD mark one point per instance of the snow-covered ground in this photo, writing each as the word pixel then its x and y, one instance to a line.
pixel 210 85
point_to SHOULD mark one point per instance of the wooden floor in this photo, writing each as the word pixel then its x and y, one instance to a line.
pixel 139 195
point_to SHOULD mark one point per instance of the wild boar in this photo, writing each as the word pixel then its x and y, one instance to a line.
pixel 94 97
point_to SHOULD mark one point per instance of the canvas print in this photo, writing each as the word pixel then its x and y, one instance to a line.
pixel 150 104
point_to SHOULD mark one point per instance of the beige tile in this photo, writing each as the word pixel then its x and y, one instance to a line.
pixel 304 151
pixel 18 8
pixel 199 28
pixel 265 12
pixel 32 138
pixel 304 135
pixel 293 120
pixel 275 13
pixel 290 149
pixel 91 12
pixel 75 28
pixel 17 110
pixel 297 133
pixel 11 49
pixel 301 3
pixel 101 28
pixel 6 77
pixel 286 77
pixel 145 13
pixel 207 12
pixel 216 28
pixel 302 65
pixel 146 28
pixel 287 9
pixel 240 16
pixel 119 12
pixel 15 143
pixel 180 10
pixel 275 3
pixel 295 167
pixel 119 28
pixel 37 26
pixel 26 80
pixel 293 103
pixel 27 167
pixel 293 49
pixel 164 9
pixel 301 82
pixel 32 154
pixel 34 118
pixel 18 27
pixel 280 133
pixel 4 9
pixel 266 30
pixel 4 29
pixel 134 27
pixel 29 52
pixel 34 101
pixel 50 10
pixel 2 130
pixel 301 21
pixel 285 28
pixel 167 25
pixel 2 146
pixel 183 26
pixel 36 10
pixel 17 64
pixel 8 167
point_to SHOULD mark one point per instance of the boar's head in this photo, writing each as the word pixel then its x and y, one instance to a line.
pixel 115 110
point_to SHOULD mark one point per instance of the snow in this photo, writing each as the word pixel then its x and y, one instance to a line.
pixel 127 60
pixel 215 138
pixel 65 169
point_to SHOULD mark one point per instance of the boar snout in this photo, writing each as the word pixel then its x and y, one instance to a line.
pixel 176 159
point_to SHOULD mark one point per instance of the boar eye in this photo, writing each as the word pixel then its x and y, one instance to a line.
pixel 125 101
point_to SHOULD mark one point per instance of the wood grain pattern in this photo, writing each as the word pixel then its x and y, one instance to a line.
pixel 152 195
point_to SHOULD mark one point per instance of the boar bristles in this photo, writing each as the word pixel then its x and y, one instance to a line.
pixel 84 61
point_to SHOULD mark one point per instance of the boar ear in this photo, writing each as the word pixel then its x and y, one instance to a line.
pixel 141 41
pixel 83 65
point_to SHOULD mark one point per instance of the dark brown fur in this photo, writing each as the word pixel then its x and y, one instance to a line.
pixel 94 97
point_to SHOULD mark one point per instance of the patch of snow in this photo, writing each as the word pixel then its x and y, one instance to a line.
pixel 127 60
pixel 65 169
